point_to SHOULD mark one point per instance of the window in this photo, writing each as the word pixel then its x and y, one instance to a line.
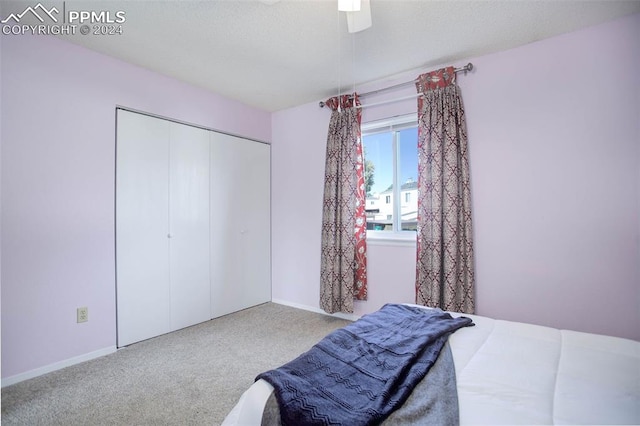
pixel 391 174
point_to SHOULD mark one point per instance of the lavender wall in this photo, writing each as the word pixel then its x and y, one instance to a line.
pixel 554 129
pixel 556 180
pixel 58 159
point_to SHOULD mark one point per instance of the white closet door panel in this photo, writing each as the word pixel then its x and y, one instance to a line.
pixel 189 226
pixel 255 237
pixel 225 261
pixel 227 270
pixel 240 224
pixel 142 248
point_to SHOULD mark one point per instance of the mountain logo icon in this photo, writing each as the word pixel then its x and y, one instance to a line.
pixel 38 11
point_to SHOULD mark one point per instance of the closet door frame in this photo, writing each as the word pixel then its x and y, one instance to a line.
pixel 131 329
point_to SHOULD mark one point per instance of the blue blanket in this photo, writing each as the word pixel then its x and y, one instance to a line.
pixel 361 373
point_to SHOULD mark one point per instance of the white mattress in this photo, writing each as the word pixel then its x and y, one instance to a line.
pixel 516 373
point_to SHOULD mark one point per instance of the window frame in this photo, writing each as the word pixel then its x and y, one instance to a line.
pixel 392 124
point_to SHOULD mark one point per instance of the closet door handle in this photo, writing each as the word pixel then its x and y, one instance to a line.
pixel 168 235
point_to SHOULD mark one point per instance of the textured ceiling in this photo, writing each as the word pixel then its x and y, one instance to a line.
pixel 293 52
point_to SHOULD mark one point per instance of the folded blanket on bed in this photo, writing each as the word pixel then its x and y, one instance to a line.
pixel 361 373
pixel 434 400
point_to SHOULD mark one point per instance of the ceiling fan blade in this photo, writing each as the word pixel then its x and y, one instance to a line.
pixel 361 20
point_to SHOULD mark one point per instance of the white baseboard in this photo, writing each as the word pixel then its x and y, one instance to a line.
pixel 350 317
pixel 57 366
pixel 8 381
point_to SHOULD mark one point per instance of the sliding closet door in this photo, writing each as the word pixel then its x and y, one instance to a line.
pixel 189 226
pixel 255 222
pixel 240 224
pixel 142 246
pixel 192 225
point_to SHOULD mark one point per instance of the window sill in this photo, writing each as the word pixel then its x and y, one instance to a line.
pixel 388 238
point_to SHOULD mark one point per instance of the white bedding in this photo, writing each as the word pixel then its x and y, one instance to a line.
pixel 516 373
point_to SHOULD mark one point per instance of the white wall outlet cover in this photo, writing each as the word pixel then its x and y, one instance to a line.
pixel 83 314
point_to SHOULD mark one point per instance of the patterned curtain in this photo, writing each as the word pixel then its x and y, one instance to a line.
pixel 444 270
pixel 343 270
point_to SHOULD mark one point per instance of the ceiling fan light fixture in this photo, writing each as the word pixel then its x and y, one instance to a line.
pixel 361 20
pixel 348 5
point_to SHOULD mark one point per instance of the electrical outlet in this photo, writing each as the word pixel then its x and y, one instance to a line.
pixel 83 314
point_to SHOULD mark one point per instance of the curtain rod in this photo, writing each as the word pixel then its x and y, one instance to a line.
pixel 464 69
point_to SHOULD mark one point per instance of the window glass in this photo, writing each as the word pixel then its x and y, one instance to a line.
pixel 408 173
pixel 378 176
pixel 391 169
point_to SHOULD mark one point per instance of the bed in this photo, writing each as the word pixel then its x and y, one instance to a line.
pixel 513 373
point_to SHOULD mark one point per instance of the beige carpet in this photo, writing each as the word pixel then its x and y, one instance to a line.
pixel 189 377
